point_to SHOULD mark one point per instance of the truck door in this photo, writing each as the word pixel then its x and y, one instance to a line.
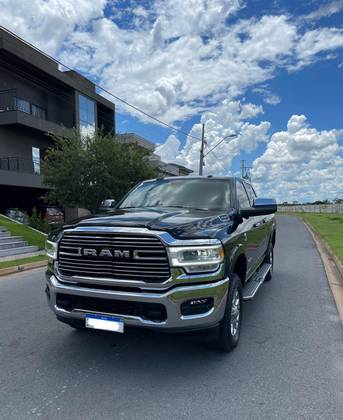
pixel 260 225
pixel 249 232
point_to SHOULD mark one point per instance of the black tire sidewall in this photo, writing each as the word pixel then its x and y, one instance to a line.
pixel 227 341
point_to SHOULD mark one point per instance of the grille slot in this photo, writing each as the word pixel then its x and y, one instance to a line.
pixel 152 267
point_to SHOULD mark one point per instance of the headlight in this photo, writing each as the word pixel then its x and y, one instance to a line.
pixel 197 259
pixel 51 249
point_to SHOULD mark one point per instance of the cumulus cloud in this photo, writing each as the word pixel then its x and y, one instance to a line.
pixel 178 58
pixel 229 118
pixel 301 163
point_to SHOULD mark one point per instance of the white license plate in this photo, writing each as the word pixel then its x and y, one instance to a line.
pixel 105 322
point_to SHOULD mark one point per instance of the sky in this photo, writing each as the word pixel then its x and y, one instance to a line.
pixel 268 71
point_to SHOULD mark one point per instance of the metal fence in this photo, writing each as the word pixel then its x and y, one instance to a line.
pixel 312 208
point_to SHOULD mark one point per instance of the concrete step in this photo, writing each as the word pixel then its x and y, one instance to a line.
pixel 4 233
pixel 14 244
pixel 18 251
pixel 8 238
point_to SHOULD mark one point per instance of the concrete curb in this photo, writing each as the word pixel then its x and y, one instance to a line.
pixel 333 269
pixel 23 267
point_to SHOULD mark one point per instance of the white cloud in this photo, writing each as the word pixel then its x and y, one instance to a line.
pixel 325 10
pixel 230 117
pixel 183 59
pixel 301 163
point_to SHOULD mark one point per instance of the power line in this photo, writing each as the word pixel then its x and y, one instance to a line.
pixel 103 89
pixel 232 136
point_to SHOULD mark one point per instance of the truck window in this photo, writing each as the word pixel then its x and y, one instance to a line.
pixel 242 197
pixel 203 194
pixel 251 193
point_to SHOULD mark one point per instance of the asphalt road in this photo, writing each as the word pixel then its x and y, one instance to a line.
pixel 289 363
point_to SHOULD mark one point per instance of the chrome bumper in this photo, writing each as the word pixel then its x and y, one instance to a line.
pixel 171 299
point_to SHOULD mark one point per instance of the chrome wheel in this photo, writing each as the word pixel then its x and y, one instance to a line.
pixel 235 314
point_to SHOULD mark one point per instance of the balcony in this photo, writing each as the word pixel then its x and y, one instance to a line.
pixel 20 172
pixel 16 110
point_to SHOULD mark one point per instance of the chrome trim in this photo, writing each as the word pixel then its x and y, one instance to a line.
pixel 177 276
pixel 171 299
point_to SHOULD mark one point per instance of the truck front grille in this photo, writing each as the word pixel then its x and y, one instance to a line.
pixel 117 256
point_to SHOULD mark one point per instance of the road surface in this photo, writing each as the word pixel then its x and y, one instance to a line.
pixel 289 363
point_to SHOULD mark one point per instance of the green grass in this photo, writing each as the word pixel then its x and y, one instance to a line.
pixel 22 261
pixel 31 236
pixel 329 227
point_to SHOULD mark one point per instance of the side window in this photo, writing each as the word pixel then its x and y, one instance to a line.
pixel 242 197
pixel 250 192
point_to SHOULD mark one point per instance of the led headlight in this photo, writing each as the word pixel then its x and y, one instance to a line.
pixel 51 249
pixel 197 259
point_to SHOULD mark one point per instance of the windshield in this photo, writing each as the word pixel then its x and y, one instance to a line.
pixel 204 194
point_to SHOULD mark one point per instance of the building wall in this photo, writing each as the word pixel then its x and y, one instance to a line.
pixel 59 103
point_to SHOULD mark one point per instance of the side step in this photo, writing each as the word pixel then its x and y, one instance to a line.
pixel 252 286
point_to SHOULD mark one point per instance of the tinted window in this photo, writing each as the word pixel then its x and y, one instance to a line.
pixel 242 197
pixel 192 193
pixel 87 116
pixel 250 192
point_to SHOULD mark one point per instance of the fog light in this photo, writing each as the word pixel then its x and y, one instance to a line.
pixel 197 306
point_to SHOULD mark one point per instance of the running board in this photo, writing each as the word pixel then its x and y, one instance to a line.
pixel 252 286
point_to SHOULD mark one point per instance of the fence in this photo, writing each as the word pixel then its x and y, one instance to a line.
pixel 312 208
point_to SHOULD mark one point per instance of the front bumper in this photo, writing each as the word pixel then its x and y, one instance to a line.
pixel 171 300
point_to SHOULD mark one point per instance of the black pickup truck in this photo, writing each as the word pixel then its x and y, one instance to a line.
pixel 176 254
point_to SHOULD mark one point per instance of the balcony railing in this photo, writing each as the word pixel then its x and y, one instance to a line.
pixel 20 165
pixel 9 101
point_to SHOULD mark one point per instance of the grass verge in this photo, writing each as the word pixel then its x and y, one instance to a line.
pixel 329 227
pixel 31 236
pixel 22 261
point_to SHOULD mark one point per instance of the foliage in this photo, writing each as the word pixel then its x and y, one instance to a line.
pixel 38 222
pixel 29 235
pixel 22 261
pixel 329 227
pixel 82 172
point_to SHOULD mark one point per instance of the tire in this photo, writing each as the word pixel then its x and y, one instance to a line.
pixel 230 325
pixel 269 259
pixel 77 324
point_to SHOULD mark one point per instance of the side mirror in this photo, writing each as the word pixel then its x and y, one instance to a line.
pixel 261 207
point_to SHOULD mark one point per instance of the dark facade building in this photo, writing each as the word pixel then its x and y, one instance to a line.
pixel 165 169
pixel 37 97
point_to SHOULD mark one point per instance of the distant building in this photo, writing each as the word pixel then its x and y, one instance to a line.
pixel 37 97
pixel 166 169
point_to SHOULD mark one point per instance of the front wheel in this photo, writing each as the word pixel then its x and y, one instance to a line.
pixel 230 325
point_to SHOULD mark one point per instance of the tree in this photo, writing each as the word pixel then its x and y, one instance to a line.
pixel 81 172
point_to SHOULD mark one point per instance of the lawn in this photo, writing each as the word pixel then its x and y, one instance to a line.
pixel 31 236
pixel 329 227
pixel 22 261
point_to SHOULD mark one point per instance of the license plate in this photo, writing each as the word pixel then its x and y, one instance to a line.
pixel 105 322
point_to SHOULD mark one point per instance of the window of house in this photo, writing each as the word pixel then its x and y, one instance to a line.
pixel 38 112
pixel 242 197
pixel 87 116
pixel 22 105
pixel 36 160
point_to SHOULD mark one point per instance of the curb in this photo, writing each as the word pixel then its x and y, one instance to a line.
pixel 20 268
pixel 333 268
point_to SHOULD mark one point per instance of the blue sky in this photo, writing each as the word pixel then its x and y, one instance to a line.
pixel 268 71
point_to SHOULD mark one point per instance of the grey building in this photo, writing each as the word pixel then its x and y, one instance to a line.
pixel 37 97
pixel 166 169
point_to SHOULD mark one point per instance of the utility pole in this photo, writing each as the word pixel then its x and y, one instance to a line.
pixel 244 170
pixel 201 161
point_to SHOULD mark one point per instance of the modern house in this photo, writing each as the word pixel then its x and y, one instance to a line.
pixel 38 97
pixel 166 169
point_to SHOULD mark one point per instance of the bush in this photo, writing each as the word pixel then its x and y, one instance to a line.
pixel 38 222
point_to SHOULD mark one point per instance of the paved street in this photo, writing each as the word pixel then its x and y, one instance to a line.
pixel 289 363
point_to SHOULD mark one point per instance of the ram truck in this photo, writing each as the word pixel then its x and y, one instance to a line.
pixel 175 254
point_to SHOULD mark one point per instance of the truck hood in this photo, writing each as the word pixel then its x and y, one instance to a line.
pixel 181 223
